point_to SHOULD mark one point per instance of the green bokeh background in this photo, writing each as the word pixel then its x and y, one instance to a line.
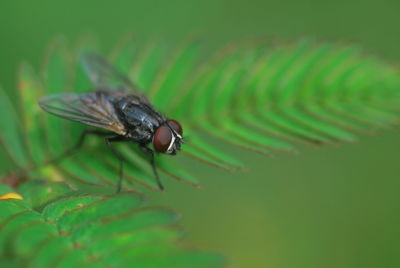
pixel 327 207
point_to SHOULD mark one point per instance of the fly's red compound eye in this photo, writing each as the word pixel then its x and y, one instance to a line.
pixel 175 126
pixel 162 139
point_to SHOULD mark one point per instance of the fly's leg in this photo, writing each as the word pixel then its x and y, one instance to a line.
pixel 79 144
pixel 150 152
pixel 86 132
pixel 69 151
pixel 109 142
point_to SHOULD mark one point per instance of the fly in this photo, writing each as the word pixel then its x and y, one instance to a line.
pixel 119 111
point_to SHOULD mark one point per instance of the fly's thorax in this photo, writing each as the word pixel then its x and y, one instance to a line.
pixel 140 120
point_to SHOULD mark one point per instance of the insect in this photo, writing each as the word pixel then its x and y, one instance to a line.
pixel 119 111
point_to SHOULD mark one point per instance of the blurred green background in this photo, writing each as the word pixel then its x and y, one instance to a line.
pixel 327 207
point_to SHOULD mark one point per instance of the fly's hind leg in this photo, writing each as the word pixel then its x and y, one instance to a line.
pixel 150 152
pixel 79 144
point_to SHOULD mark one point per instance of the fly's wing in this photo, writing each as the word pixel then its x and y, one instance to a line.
pixel 93 109
pixel 104 76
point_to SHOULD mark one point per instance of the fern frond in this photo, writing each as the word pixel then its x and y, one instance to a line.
pixel 57 227
pixel 259 96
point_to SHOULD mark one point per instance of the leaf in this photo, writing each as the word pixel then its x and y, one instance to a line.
pixel 92 230
pixel 10 136
pixel 259 96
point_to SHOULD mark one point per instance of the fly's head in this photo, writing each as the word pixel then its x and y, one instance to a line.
pixel 168 137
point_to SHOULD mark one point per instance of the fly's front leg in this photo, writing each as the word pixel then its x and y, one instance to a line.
pixel 121 159
pixel 150 152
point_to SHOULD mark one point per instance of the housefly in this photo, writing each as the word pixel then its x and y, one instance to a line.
pixel 119 111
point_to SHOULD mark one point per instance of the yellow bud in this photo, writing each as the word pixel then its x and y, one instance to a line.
pixel 11 196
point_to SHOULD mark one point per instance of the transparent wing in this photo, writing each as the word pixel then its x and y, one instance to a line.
pixel 93 109
pixel 105 76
